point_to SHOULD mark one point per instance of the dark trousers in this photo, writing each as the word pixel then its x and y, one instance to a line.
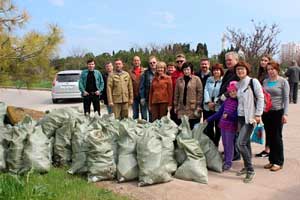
pixel 293 92
pixel 159 110
pixel 174 117
pixel 212 130
pixel 136 108
pixel 243 142
pixel 88 100
pixel 273 126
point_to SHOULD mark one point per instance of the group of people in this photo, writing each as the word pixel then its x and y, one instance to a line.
pixel 232 102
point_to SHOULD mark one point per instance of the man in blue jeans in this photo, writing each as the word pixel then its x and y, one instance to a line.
pixel 146 80
pixel 135 75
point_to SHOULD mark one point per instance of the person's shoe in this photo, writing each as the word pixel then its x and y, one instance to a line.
pixel 268 166
pixel 241 172
pixel 262 154
pixel 226 167
pixel 275 168
pixel 249 177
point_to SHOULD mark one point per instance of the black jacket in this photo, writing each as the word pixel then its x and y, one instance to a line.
pixel 103 93
pixel 227 78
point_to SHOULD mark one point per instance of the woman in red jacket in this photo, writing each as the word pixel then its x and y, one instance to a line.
pixel 160 95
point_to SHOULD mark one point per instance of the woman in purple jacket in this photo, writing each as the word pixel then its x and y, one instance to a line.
pixel 227 115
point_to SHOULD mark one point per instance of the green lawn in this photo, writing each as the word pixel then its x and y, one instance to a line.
pixel 56 185
pixel 18 84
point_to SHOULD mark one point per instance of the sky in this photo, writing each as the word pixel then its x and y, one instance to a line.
pixel 100 26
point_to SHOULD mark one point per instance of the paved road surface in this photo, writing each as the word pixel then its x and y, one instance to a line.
pixel 284 184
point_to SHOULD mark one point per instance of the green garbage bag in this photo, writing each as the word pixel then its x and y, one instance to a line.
pixel 185 133
pixel 5 137
pixel 62 149
pixel 79 148
pixel 100 158
pixel 36 152
pixel 168 131
pixel 213 157
pixel 194 167
pixel 127 167
pixel 15 151
pixel 2 113
pixel 57 118
pixel 110 127
pixel 150 158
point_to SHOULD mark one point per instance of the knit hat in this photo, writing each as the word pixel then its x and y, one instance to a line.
pixel 232 86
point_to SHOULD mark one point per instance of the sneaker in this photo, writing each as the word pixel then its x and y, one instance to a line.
pixel 262 154
pixel 226 167
pixel 241 172
pixel 249 177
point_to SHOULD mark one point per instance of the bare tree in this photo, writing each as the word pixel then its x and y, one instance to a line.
pixel 263 40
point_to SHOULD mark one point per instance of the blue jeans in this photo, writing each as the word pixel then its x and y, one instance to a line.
pixel 243 142
pixel 136 108
pixel 145 112
pixel 109 109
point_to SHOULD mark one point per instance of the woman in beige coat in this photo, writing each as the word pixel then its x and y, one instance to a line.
pixel 188 95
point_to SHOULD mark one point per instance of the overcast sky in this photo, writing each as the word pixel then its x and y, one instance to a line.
pixel 100 26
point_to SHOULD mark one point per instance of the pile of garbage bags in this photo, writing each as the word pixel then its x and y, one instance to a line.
pixel 104 148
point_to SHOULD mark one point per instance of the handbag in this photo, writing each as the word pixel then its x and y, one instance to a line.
pixel 258 134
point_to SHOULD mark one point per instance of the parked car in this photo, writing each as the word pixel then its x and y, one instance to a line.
pixel 66 85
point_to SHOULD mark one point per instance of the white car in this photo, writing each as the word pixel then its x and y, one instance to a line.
pixel 66 85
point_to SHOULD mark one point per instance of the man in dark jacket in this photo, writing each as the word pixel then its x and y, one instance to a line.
pixel 144 89
pixel 293 73
pixel 109 69
pixel 91 85
pixel 204 71
pixel 231 59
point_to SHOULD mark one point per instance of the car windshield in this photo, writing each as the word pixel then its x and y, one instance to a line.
pixel 68 77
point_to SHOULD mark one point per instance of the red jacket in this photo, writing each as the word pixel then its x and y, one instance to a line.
pixel 174 77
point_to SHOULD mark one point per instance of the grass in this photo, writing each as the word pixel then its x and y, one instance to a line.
pixel 56 185
pixel 19 84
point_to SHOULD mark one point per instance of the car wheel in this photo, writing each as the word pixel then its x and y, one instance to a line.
pixel 54 100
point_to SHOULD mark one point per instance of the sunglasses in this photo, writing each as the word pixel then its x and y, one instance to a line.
pixel 179 61
pixel 152 63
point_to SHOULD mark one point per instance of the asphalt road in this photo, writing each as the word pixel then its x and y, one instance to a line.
pixel 284 184
pixel 34 99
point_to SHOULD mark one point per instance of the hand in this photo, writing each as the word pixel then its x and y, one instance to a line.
pixel 205 121
pixel 85 93
pixel 143 101
pixel 258 119
pixel 175 110
pixel 130 102
pixel 111 104
pixel 223 97
pixel 149 108
pixel 97 93
pixel 169 108
pixel 284 119
pixel 225 115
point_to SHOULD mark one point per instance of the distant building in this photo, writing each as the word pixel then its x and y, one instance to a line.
pixel 223 41
pixel 290 51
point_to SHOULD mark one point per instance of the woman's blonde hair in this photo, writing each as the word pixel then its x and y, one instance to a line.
pixel 161 64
